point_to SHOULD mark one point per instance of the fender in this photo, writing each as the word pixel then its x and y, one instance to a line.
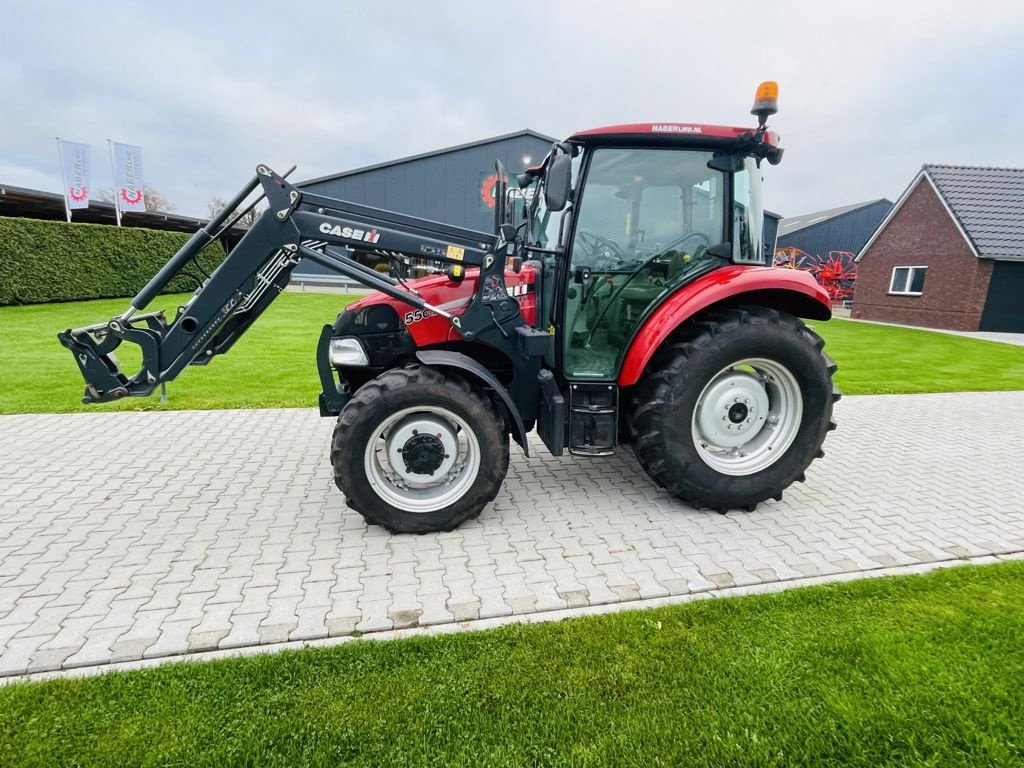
pixel 787 290
pixel 443 359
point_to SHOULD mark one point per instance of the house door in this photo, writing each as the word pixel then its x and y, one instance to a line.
pixel 1004 305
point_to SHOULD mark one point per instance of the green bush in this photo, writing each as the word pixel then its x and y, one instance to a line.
pixel 46 261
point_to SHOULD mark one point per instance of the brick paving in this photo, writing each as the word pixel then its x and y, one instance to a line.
pixel 127 536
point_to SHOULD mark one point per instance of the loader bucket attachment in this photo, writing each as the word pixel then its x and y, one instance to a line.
pixel 93 348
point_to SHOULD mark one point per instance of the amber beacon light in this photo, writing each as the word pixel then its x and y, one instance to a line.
pixel 766 100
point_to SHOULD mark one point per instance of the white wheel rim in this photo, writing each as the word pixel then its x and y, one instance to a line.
pixel 747 416
pixel 444 436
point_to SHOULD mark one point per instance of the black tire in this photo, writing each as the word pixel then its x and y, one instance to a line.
pixel 664 402
pixel 403 388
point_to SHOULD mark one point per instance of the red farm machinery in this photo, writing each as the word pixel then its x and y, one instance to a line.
pixel 836 272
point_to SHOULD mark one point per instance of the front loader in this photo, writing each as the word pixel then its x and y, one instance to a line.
pixel 631 305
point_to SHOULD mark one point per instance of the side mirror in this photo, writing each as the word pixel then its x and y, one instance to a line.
pixel 726 163
pixel 557 182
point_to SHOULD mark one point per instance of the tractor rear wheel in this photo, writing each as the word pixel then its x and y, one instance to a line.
pixel 735 409
pixel 418 450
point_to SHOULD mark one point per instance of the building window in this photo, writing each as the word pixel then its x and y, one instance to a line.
pixel 907 281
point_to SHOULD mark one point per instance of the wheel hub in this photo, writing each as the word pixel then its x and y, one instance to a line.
pixel 423 454
pixel 747 416
pixel 422 448
pixel 733 409
pixel 738 413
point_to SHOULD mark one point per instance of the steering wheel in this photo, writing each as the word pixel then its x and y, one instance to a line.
pixel 600 249
pixel 595 317
pixel 675 244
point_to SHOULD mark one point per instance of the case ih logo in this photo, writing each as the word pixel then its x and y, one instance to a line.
pixel 351 233
pixel 675 128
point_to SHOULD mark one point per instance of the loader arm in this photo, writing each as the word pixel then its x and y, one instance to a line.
pixel 296 226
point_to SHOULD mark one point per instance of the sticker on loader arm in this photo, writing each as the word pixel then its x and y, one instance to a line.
pixel 455 254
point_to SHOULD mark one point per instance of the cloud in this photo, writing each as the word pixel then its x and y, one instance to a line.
pixel 870 90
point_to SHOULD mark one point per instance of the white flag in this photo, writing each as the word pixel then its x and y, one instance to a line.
pixel 128 181
pixel 76 174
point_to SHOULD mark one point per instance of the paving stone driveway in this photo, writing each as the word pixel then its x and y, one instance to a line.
pixel 132 535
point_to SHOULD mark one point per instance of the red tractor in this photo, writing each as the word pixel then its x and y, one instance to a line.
pixel 630 304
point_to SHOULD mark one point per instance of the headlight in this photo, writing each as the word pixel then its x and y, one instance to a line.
pixel 348 352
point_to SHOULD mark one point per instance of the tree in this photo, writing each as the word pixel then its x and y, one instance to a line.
pixel 154 199
pixel 217 203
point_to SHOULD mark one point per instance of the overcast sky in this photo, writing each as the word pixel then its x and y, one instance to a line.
pixel 869 90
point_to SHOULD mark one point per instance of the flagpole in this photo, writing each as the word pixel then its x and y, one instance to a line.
pixel 63 178
pixel 113 171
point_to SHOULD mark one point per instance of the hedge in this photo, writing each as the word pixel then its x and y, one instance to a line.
pixel 47 261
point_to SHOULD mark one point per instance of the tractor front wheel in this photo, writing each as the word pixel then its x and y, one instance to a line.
pixel 418 450
pixel 735 409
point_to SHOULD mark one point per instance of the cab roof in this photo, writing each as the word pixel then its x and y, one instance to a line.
pixel 676 129
pixel 670 133
pixel 674 134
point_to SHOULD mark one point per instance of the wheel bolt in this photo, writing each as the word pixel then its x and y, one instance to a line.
pixel 415 431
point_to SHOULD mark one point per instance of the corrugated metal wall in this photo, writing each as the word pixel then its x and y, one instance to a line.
pixel 846 232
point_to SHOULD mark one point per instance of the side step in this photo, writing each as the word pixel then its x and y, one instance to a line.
pixel 593 418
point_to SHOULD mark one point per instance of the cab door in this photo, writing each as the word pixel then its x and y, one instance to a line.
pixel 642 228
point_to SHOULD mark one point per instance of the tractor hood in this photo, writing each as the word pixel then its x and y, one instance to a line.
pixel 451 296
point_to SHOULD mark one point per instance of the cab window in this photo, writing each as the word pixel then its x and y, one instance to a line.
pixel 645 222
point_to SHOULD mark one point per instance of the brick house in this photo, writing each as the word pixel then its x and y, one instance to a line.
pixel 950 254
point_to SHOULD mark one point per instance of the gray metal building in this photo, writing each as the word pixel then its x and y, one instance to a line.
pixel 837 229
pixel 453 185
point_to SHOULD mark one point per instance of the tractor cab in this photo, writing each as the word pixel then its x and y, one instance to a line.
pixel 644 215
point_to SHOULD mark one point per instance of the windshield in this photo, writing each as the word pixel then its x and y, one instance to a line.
pixel 645 222
pixel 545 224
pixel 641 203
pixel 544 232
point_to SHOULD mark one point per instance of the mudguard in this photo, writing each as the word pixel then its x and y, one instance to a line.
pixel 444 359
pixel 787 290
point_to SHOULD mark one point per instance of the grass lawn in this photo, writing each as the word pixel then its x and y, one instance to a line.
pixel 919 670
pixel 273 365
pixel 882 359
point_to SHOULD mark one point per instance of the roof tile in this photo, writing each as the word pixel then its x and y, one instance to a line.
pixel 988 203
